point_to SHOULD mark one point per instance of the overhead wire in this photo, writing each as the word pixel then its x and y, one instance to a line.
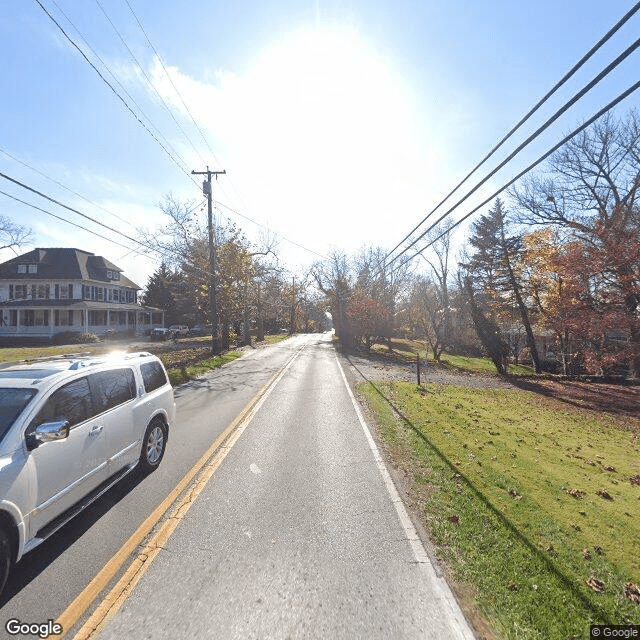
pixel 259 224
pixel 610 67
pixel 60 184
pixel 122 87
pixel 84 215
pixel 159 57
pixel 535 108
pixel 575 132
pixel 146 77
pixel 124 102
pixel 184 103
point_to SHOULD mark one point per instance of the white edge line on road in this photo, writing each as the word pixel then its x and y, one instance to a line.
pixel 445 594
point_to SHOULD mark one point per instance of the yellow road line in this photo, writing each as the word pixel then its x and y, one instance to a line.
pixel 120 592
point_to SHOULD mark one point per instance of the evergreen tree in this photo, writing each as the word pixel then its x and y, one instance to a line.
pixel 493 267
pixel 159 292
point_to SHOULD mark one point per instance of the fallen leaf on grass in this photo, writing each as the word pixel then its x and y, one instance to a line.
pixel 610 469
pixel 635 479
pixel 595 584
pixel 605 494
pixel 513 586
pixel 454 519
pixel 514 494
pixel 598 550
pixel 632 591
pixel 586 554
pixel 575 493
pixel 551 550
pixel 591 462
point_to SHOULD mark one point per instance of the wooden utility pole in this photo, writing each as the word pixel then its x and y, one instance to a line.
pixel 213 305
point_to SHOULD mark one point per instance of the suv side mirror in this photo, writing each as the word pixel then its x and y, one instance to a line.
pixel 47 432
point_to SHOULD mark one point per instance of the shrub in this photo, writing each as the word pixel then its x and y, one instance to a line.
pixel 74 337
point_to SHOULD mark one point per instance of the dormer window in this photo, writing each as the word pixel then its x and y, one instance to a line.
pixel 116 275
pixel 22 268
pixel 109 275
pixel 33 268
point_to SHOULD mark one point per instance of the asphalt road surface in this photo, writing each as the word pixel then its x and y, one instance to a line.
pixel 295 532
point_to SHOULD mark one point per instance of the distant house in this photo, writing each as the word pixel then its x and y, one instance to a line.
pixel 47 291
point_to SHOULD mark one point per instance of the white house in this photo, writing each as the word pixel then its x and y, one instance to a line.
pixel 47 291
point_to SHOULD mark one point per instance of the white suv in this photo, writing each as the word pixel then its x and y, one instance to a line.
pixel 70 428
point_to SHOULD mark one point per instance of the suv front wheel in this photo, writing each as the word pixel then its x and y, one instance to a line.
pixel 5 558
pixel 153 445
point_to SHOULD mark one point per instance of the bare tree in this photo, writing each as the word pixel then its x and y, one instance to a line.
pixel 12 235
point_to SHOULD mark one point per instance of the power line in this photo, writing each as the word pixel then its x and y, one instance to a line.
pixel 581 128
pixel 122 87
pixel 78 226
pixel 627 52
pixel 559 84
pixel 184 104
pixel 146 77
pixel 226 206
pixel 175 88
pixel 75 193
pixel 124 102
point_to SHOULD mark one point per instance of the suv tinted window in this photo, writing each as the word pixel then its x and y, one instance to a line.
pixel 71 402
pixel 12 402
pixel 153 375
pixel 111 388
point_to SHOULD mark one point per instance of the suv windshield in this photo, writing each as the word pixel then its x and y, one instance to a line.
pixel 12 403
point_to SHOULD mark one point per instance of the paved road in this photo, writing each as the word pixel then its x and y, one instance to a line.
pixel 50 577
pixel 295 536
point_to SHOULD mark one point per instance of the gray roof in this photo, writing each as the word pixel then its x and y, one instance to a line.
pixel 63 263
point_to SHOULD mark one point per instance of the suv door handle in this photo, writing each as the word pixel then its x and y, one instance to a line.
pixel 95 430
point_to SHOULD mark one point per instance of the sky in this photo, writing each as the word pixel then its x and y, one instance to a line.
pixel 340 124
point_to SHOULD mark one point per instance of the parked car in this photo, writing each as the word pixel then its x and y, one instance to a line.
pixel 71 428
pixel 179 330
pixel 202 330
pixel 161 334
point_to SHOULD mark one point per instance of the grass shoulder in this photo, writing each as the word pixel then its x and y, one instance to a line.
pixel 531 501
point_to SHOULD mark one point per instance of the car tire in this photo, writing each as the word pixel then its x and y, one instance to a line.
pixel 5 558
pixel 153 445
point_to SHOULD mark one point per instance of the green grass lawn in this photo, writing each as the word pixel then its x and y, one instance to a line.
pixel 405 351
pixel 513 484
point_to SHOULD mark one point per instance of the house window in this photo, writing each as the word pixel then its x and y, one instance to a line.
pixel 70 292
pixel 13 318
pixel 109 275
pixel 41 317
pixel 22 268
pixel 33 268
pixel 33 291
pixel 63 318
pixel 27 318
pixel 110 294
pixel 20 291
pixel 56 291
pixel 43 291
pixel 116 275
pixel 100 293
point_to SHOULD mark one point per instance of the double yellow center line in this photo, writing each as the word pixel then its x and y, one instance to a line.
pixel 189 488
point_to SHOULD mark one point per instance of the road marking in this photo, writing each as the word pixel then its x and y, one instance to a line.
pixel 208 463
pixel 442 589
